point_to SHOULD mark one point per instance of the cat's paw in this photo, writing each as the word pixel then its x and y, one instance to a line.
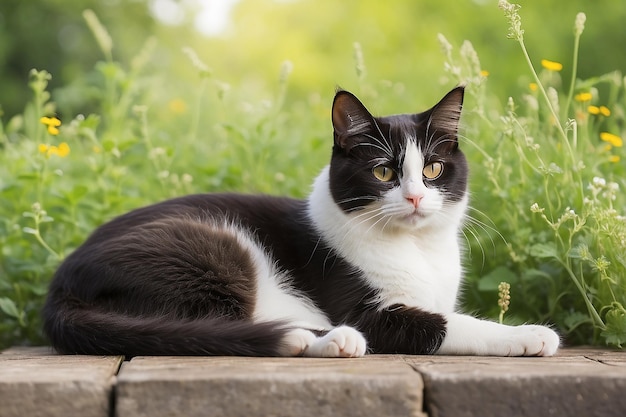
pixel 296 342
pixel 341 342
pixel 533 340
pixel 467 335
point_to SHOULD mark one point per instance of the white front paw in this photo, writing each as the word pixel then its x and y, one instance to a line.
pixel 467 335
pixel 341 342
pixel 532 340
pixel 296 342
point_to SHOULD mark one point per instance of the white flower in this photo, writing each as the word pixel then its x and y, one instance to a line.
pixel 599 182
pixel 579 24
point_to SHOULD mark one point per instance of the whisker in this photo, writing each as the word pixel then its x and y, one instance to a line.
pixel 378 146
pixel 384 138
pixel 351 199
pixel 385 147
pixel 384 216
pixel 470 230
pixel 486 227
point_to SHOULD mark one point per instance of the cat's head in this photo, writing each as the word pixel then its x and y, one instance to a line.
pixel 403 171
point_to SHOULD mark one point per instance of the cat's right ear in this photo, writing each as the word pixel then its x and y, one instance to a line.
pixel 350 119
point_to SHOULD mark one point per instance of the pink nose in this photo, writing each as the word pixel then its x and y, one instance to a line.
pixel 415 200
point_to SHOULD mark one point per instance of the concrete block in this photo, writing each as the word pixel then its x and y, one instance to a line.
pixel 571 385
pixel 36 382
pixel 244 387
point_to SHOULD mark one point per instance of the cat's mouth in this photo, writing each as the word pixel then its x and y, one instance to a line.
pixel 415 214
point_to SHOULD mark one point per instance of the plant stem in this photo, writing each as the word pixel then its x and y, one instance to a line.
pixel 45 245
pixel 547 100
pixel 572 83
pixel 592 311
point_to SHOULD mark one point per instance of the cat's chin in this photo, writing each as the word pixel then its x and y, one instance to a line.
pixel 414 220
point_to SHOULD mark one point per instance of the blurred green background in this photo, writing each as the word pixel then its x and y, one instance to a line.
pixel 251 114
pixel 244 43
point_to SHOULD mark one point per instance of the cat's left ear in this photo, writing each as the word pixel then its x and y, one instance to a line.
pixel 350 119
pixel 445 116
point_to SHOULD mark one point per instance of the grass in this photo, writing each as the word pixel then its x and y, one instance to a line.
pixel 547 176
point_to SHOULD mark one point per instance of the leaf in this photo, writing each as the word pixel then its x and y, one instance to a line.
pixel 544 250
pixel 533 274
pixel 78 192
pixel 90 122
pixel 575 319
pixel 28 176
pixel 491 281
pixel 9 308
pixel 15 124
pixel 108 145
pixel 615 332
pixel 30 230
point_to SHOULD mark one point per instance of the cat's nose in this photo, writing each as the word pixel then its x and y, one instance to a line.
pixel 415 200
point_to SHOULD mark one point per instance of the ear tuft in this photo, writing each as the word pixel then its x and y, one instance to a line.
pixel 446 114
pixel 350 118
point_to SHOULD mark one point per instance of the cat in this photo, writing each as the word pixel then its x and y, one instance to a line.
pixel 369 263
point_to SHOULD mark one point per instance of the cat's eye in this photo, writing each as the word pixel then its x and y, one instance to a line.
pixel 383 173
pixel 433 170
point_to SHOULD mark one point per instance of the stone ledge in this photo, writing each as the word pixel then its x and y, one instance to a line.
pixel 36 382
pixel 577 382
pixel 154 386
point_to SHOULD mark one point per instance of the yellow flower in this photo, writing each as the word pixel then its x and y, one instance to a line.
pixel 583 97
pixel 484 73
pixel 533 86
pixel 52 123
pixel 614 158
pixel 62 150
pixel 177 106
pixel 614 140
pixel 603 110
pixel 551 65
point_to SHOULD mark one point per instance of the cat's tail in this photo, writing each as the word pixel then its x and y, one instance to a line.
pixel 81 330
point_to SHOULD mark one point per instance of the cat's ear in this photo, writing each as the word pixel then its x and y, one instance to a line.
pixel 350 119
pixel 445 116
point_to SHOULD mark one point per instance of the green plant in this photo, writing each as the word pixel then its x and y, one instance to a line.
pixel 550 181
pixel 61 177
pixel 547 177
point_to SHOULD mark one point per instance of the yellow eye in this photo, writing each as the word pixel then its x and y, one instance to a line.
pixel 433 170
pixel 383 173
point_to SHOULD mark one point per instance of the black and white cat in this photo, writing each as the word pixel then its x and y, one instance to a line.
pixel 370 262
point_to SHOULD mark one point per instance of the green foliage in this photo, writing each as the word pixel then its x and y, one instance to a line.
pixel 555 173
pixel 547 191
pixel 59 179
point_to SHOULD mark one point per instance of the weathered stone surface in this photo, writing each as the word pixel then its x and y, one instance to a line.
pixel 300 387
pixel 576 383
pixel 36 382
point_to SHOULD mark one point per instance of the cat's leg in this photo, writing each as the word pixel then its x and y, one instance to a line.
pixel 467 335
pixel 340 342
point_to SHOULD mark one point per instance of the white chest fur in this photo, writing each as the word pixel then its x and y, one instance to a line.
pixel 416 268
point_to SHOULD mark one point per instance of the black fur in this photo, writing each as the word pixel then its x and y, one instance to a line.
pixel 163 280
